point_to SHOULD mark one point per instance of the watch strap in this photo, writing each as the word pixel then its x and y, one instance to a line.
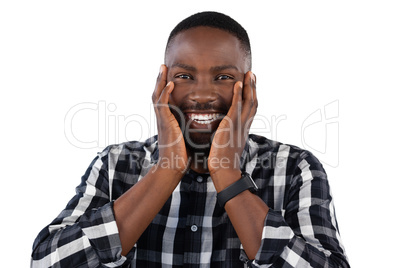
pixel 245 183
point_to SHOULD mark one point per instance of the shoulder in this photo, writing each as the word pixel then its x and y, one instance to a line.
pixel 279 154
pixel 130 157
pixel 283 170
pixel 133 148
pixel 262 145
pixel 127 162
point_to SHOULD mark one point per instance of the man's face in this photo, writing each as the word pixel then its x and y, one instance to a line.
pixel 204 63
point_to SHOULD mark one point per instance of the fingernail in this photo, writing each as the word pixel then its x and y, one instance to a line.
pixel 161 69
pixel 253 77
pixel 171 88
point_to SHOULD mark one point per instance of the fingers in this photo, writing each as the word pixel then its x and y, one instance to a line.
pixel 164 96
pixel 161 105
pixel 160 96
pixel 237 99
pixel 160 83
pixel 250 102
pixel 244 101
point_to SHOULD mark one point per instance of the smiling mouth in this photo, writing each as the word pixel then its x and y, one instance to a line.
pixel 205 118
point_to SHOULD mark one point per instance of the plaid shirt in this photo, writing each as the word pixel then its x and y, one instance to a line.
pixel 192 230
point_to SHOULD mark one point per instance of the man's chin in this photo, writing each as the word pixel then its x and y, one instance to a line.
pixel 200 142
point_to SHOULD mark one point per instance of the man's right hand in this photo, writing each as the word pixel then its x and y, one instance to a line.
pixel 171 145
pixel 137 207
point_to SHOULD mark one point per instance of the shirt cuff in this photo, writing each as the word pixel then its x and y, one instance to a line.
pixel 276 235
pixel 101 229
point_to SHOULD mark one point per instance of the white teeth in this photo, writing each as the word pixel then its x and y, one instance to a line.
pixel 204 118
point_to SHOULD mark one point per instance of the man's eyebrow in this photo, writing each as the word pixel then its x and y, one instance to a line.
pixel 184 66
pixel 223 67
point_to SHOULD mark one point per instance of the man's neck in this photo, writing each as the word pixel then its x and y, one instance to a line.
pixel 199 161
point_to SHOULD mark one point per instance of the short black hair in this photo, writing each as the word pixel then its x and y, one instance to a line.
pixel 214 20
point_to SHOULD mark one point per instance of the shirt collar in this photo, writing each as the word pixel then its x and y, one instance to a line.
pixel 152 146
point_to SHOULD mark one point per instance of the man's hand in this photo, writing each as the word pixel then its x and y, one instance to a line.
pixel 230 137
pixel 137 207
pixel 172 148
pixel 246 211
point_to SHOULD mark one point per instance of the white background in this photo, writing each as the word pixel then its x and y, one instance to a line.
pixel 308 55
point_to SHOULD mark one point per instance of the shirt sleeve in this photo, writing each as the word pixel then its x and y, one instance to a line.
pixel 85 233
pixel 305 232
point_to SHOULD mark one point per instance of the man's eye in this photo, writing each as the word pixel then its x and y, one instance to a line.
pixel 224 77
pixel 183 76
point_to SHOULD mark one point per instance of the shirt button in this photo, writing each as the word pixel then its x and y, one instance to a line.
pixel 199 179
pixel 194 228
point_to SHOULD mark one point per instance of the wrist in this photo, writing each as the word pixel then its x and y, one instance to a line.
pixel 225 177
pixel 236 188
pixel 172 163
pixel 168 173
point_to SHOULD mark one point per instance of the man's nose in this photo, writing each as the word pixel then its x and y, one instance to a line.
pixel 203 92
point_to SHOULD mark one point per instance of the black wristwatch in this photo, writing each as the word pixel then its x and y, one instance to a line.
pixel 245 183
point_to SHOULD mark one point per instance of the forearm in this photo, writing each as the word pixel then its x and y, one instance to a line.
pixel 246 212
pixel 136 209
pixel 282 243
pixel 91 240
pixel 257 226
pixel 85 231
pixel 300 228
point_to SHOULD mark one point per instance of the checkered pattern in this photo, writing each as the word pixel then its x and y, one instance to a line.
pixel 192 230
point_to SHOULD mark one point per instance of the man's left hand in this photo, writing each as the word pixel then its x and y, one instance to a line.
pixel 232 133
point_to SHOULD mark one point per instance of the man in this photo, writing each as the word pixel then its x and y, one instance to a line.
pixel 187 197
